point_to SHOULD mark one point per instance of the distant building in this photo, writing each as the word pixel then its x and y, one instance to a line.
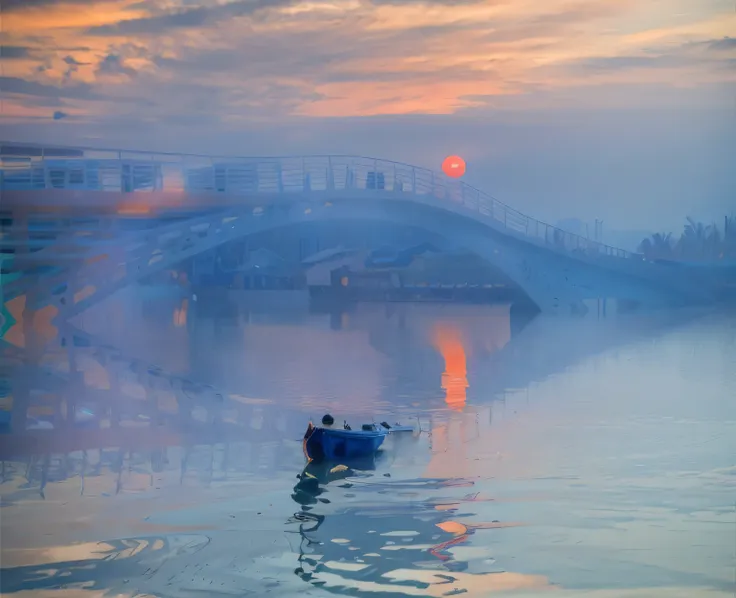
pixel 321 269
pixel 265 269
pixel 413 273
pixel 258 269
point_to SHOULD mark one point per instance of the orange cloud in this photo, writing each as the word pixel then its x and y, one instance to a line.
pixel 316 58
pixel 70 15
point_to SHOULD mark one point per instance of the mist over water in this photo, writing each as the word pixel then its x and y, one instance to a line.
pixel 266 182
pixel 590 457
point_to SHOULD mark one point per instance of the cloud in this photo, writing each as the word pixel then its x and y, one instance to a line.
pixel 186 19
pixel 17 85
pixel 112 64
pixel 444 3
pixel 8 6
pixel 726 43
pixel 12 52
pixel 694 60
pixel 580 12
pixel 618 63
pixel 58 115
pixel 246 60
pixel 71 61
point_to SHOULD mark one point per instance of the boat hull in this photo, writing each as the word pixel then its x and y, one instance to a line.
pixel 343 444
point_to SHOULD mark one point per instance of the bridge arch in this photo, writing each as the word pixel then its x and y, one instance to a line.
pixel 555 282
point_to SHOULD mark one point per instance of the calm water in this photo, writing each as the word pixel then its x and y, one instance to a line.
pixel 587 458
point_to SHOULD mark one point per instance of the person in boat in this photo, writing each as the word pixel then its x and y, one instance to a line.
pixel 328 422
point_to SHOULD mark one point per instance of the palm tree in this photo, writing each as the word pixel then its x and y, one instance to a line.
pixel 713 243
pixel 657 247
pixel 729 237
pixel 691 241
pixel 698 241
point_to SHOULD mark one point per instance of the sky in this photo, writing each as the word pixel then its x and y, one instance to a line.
pixel 623 110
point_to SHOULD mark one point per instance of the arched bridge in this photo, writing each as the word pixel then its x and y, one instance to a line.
pixel 80 223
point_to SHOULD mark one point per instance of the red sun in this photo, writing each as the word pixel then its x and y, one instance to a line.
pixel 454 166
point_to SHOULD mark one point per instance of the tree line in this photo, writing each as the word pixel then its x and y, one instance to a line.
pixel 698 242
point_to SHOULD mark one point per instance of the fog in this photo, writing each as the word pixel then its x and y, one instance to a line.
pixel 528 386
pixel 641 170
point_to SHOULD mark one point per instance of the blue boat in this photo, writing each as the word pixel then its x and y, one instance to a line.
pixel 335 444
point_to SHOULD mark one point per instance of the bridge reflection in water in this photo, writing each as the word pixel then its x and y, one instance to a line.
pixel 93 411
pixel 85 394
pixel 182 471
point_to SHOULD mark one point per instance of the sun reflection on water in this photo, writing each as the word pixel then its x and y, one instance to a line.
pixel 449 342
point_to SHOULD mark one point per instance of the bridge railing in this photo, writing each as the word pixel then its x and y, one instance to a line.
pixel 27 167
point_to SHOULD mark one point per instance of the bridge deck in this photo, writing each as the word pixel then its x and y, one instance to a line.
pixel 147 180
pixel 75 216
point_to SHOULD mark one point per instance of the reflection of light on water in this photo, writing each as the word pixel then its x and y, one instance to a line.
pixel 180 313
pixel 134 208
pixel 436 581
pixel 402 547
pixel 42 325
pixel 455 444
pixel 448 342
pixel 91 562
pixel 83 294
pixel 575 447
pixel 293 362
pixel 453 527
pixel 95 374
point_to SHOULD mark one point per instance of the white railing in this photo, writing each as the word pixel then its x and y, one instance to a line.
pixel 28 167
